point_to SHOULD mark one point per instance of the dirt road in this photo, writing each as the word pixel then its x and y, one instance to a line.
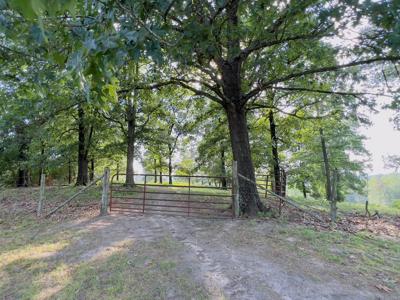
pixel 236 259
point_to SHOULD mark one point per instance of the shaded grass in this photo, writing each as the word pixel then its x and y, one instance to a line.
pixel 23 201
pixel 27 256
pixel 54 265
pixel 135 273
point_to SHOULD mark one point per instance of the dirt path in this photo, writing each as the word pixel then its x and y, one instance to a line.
pixel 170 257
pixel 230 259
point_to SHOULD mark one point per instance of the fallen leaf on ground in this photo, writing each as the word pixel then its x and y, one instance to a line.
pixel 383 288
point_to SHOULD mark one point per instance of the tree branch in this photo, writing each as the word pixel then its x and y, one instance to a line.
pixel 268 84
pixel 300 89
pixel 258 45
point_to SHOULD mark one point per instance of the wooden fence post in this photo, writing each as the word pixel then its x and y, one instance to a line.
pixel 41 194
pixel 235 190
pixel 105 193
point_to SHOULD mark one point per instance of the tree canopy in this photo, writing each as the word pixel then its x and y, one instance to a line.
pixel 281 87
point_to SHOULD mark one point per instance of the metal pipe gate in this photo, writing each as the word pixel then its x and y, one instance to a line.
pixel 183 195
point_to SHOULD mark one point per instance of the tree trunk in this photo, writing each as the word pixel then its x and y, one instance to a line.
pixel 155 171
pixel 334 194
pixel 69 172
pixel 82 177
pixel 223 170
pixel 328 185
pixel 234 105
pixel 117 172
pixel 130 139
pixel 170 168
pixel 91 175
pixel 283 183
pixel 303 185
pixel 249 199
pixel 160 171
pixel 23 177
pixel 23 173
pixel 275 155
pixel 83 165
pixel 42 162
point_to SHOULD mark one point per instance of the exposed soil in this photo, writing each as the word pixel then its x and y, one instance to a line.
pixel 225 262
pixel 233 259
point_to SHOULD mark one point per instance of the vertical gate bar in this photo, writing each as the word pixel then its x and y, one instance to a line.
pixel 189 198
pixel 144 191
pixel 41 194
pixel 266 186
pixel 111 188
pixel 105 193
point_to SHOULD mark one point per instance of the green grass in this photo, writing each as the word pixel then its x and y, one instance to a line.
pixel 124 276
pixel 372 207
pixel 347 207
pixel 364 254
pixel 53 194
pixel 375 260
pixel 50 266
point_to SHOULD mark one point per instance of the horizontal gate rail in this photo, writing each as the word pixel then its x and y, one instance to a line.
pixel 173 199
pixel 174 213
pixel 181 186
pixel 160 205
pixel 192 194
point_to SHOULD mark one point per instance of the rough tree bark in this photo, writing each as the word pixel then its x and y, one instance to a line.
pixel 171 149
pixel 155 171
pixel 283 182
pixel 331 182
pixel 91 174
pixel 249 199
pixel 169 164
pixel 160 170
pixel 223 168
pixel 328 184
pixel 42 162
pixel 275 154
pixel 234 105
pixel 83 165
pixel 69 172
pixel 334 191
pixel 130 153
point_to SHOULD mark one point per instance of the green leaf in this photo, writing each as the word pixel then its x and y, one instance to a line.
pixel 75 60
pixel 3 4
pixel 37 34
pixel 24 7
pixel 38 6
pixel 90 44
pixel 59 58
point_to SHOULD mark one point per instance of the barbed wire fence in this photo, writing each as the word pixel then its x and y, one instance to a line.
pixel 269 198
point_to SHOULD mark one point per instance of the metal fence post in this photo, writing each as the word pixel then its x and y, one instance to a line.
pixel 41 194
pixel 188 212
pixel 105 193
pixel 235 190
pixel 266 186
pixel 144 192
